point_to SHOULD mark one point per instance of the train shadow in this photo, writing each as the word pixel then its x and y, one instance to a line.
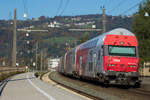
pixel 103 85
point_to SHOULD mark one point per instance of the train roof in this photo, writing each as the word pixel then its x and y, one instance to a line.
pixel 120 31
pixel 117 31
pixel 93 42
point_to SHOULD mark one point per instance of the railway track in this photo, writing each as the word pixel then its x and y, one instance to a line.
pixel 45 78
pixel 77 91
pixel 113 93
pixel 90 93
pixel 140 91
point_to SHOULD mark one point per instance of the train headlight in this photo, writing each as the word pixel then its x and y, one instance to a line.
pixel 132 65
pixel 111 65
pixel 121 43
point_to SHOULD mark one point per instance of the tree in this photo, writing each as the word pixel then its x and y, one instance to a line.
pixel 141 28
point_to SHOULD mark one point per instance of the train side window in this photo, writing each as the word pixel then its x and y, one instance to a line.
pixel 90 60
pixel 102 51
pixel 90 66
pixel 81 61
pixel 91 52
pixel 99 54
pixel 94 55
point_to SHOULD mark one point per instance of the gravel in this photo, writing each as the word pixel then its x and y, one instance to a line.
pixel 97 90
pixel 82 88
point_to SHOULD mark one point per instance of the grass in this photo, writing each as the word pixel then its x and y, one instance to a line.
pixel 60 40
pixel 4 76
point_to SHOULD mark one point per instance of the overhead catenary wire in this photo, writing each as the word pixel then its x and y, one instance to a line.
pixel 97 2
pixel 117 6
pixel 25 8
pixel 59 7
pixel 129 9
pixel 104 3
pixel 110 3
pixel 100 4
pixel 66 5
pixel 24 4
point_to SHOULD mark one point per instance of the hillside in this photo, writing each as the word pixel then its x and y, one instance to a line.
pixel 58 36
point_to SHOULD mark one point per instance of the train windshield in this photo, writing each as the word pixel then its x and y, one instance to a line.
pixel 122 51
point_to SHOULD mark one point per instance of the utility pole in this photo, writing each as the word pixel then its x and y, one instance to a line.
pixel 41 59
pixel 24 30
pixel 44 57
pixel 36 55
pixel 8 38
pixel 104 19
pixel 14 40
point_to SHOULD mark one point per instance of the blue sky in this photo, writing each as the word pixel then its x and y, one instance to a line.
pixel 51 8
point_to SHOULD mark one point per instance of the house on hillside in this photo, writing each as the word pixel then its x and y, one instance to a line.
pixel 54 25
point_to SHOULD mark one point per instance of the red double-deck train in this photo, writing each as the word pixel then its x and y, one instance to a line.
pixel 111 57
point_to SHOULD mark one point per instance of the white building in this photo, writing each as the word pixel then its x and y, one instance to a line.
pixel 54 24
pixel 53 63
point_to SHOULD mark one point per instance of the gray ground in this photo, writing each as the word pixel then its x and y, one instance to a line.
pixel 113 92
pixel 145 83
pixel 27 87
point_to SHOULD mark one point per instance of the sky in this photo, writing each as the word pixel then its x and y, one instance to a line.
pixel 52 8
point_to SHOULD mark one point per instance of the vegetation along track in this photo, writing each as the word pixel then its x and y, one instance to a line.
pixel 97 90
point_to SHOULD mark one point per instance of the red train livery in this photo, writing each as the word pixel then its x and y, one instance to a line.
pixel 111 57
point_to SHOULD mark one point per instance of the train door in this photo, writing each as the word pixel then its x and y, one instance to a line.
pixel 65 62
pixel 62 65
pixel 94 64
pixel 80 70
pixel 90 63
pixel 101 59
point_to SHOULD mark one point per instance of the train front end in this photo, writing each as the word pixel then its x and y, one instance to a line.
pixel 121 60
